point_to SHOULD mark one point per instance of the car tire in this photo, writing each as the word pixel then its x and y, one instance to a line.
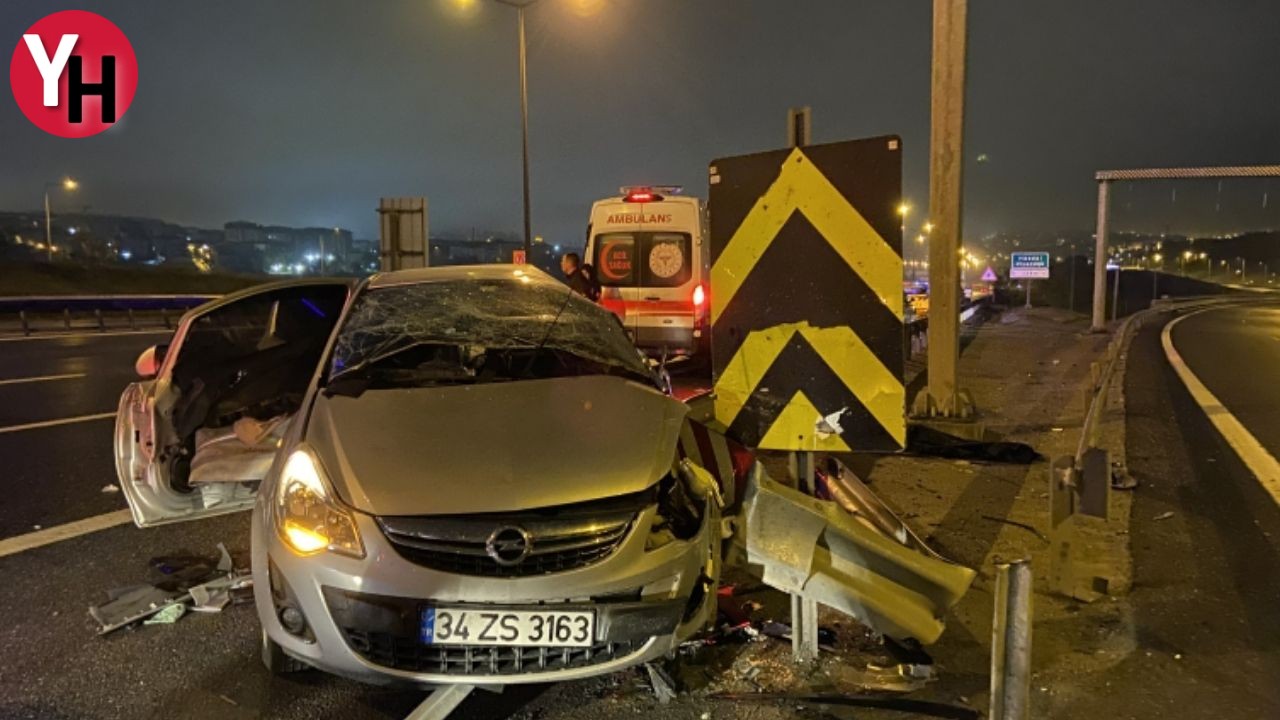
pixel 277 661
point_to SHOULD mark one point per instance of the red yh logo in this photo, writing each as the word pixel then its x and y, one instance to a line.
pixel 73 73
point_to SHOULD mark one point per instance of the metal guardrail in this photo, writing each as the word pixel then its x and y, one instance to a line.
pixel 916 336
pixel 37 313
pixel 1082 484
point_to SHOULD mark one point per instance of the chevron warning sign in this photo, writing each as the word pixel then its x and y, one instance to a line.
pixel 806 297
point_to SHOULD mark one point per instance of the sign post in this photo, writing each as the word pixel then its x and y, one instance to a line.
pixel 1029 266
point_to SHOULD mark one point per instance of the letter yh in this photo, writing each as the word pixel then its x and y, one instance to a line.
pixel 77 88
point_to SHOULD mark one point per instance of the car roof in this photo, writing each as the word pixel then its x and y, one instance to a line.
pixel 461 272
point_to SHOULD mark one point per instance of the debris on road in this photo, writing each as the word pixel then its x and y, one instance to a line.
pixel 1017 524
pixel 168 615
pixel 663 686
pixel 1164 515
pixel 128 605
pixel 928 442
pixel 110 488
pixel 187 582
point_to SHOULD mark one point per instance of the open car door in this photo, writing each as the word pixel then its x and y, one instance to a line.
pixel 198 433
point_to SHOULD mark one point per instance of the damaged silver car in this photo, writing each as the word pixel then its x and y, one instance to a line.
pixel 469 475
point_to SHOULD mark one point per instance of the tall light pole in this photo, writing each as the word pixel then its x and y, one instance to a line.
pixel 67 184
pixel 520 6
pixel 943 397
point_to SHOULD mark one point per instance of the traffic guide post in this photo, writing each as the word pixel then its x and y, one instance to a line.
pixel 1029 266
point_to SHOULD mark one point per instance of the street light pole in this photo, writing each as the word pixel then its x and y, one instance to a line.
pixel 48 227
pixel 524 116
pixel 67 184
pixel 524 133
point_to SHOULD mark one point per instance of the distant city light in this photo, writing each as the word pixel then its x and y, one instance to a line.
pixel 125 254
pixel 71 231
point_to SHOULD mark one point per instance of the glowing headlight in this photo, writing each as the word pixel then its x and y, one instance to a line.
pixel 308 519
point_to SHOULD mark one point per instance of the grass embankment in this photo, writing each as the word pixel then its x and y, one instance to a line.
pixel 73 279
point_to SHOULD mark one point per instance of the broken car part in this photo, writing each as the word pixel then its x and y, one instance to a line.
pixel 816 549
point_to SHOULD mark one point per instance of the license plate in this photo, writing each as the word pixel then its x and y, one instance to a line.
pixel 508 628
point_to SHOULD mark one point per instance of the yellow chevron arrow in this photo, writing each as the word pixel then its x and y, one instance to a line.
pixel 800 185
pixel 874 385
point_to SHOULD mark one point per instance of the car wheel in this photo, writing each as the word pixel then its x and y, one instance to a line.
pixel 276 660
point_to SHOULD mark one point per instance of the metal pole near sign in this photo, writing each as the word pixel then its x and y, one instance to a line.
pixel 943 397
pixel 804 612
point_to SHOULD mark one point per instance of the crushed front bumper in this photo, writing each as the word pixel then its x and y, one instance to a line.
pixel 385 631
pixel 363 614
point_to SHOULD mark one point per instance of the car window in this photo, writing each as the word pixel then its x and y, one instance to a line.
pixel 615 259
pixel 298 315
pixel 644 259
pixel 476 315
pixel 667 259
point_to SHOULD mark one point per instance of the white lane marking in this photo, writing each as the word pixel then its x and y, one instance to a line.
pixel 46 378
pixel 58 533
pixel 53 423
pixel 64 335
pixel 1260 462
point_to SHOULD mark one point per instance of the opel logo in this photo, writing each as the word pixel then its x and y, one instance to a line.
pixel 508 545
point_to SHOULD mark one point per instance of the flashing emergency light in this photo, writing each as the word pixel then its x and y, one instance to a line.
pixel 648 193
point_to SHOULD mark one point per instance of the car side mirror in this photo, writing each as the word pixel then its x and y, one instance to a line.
pixel 148 363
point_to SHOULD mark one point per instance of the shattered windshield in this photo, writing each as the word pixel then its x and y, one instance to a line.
pixel 471 316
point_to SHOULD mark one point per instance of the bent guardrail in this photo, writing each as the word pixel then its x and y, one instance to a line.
pixel 45 313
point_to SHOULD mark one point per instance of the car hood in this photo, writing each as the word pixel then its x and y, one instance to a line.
pixel 494 447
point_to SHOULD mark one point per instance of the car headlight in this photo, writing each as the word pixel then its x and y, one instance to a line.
pixel 308 518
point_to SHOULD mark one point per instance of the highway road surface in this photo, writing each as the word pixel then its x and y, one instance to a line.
pixel 1205 533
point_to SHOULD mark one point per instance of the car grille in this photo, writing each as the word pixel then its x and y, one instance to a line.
pixel 559 539
pixel 408 653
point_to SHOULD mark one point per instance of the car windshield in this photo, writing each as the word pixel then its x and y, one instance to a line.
pixel 479 330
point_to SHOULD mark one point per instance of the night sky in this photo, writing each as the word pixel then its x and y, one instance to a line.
pixel 303 112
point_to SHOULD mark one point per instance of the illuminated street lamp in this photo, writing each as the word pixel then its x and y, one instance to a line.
pixel 520 6
pixel 67 184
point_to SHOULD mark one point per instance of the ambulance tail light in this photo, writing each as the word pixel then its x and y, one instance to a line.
pixel 699 297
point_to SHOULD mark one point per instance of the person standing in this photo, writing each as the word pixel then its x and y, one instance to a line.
pixel 580 278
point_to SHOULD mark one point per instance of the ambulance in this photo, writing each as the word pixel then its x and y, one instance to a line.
pixel 649 248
